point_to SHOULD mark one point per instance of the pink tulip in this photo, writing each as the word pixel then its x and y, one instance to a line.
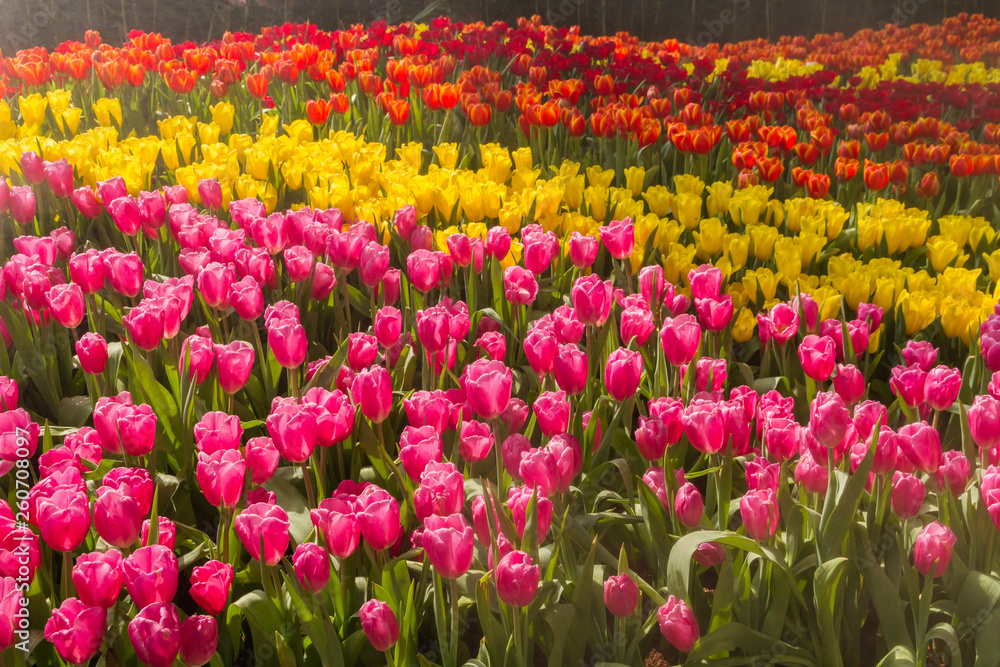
pixel 124 212
pixel 124 273
pixel 166 533
pixel 818 357
pixel 583 249
pixel 116 516
pixel 539 249
pixel 22 204
pixel 920 354
pixel 782 438
pixel 488 387
pixel 517 579
pixel 636 323
pixel 87 271
pixel 379 518
pixel 210 193
pixel 811 475
pixel 849 383
pixel 86 202
pixel 263 526
pixel 144 326
pixel 372 390
pixel 419 447
pixel 210 584
pixel 921 444
pixel 498 242
pixel 475 441
pixel 379 624
pixel 388 326
pixel 704 426
pixel 678 624
pixel 552 411
pixel 623 373
pixel 287 340
pixel 908 494
pixel 688 505
pixel 942 386
pixel 448 544
pixel 715 313
pixel 954 472
pixel 759 510
pixel 829 419
pixel 220 476
pixel 234 363
pixel 77 630
pixel 441 491
pixel 680 337
pixel 92 351
pixel 710 374
pixel 619 238
pixel 155 633
pixel 592 299
pixel 984 421
pixel 98 577
pixel 932 549
pixel 520 285
pixel 706 281
pixel 59 176
pixel 907 384
pixel 151 575
pixel 433 328
pixel 338 523
pixel 63 519
pixel 199 637
pixel 312 566
pixel 621 595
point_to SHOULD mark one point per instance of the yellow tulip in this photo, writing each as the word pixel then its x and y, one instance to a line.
pixel 678 262
pixel 708 238
pixel 410 154
pixel 762 240
pixel 222 115
pixel 634 177
pixel 667 233
pixel 68 121
pixel 981 231
pixel 523 159
pixel 689 184
pixel 33 109
pixel 659 199
pixel 497 162
pixel 573 191
pixel 268 125
pixel 687 209
pixel 597 202
pixel 737 248
pixel 956 318
pixel 917 309
pixel 208 133
pixel 719 194
pixel 645 226
pixel 447 155
pixel 600 178
pixel 744 325
pixel 59 100
pixel 511 216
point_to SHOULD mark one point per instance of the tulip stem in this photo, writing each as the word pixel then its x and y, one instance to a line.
pixel 518 638
pixel 307 477
pixel 453 648
pixel 388 659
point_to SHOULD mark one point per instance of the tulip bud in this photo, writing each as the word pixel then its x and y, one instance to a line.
pixel 92 351
pixel 678 624
pixel 621 595
pixel 932 549
pixel 517 579
pixel 199 637
pixel 379 624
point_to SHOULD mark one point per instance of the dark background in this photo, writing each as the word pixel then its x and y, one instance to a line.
pixel 25 23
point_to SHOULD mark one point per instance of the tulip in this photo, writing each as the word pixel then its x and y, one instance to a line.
pixel 92 351
pixel 818 356
pixel 234 363
pixel 144 326
pixel 592 299
pixel 77 630
pixel 372 390
pixel 520 285
pixel 199 637
pixel 166 533
pixel 87 271
pixel 210 584
pixel 312 566
pixel 954 472
pixel 921 444
pixel 388 326
pixel 984 421
pixel 67 304
pixel 116 516
pixel 98 578
pixel 151 575
pixel 552 411
pixel 124 212
pixel 709 554
pixel 678 624
pixel 287 340
pixel 540 347
pixel 22 204
pixel 652 438
pixel 782 438
pixel 488 387
pixel 907 384
pixel 262 526
pixel 11 602
pixel 849 383
pixel 210 192
pixel 932 549
pixel 539 249
pixel 419 447
pixel 715 313
pixel 86 202
pixel 441 491
pixel 448 544
pixel 247 298
pixel 704 426
pixel 570 369
pixel 155 633
pixel 379 624
pixel 621 595
pixel 688 505
pixel 63 518
pixel 338 524
pixel 136 429
pixel 379 520
pixel 619 238
pixel 759 510
pixel 812 475
pixel 920 354
pixel 433 328
pixel 706 282
pixel 710 374
pixel 124 273
pixel 583 249
pixel 908 494
pixel 942 386
pixel 680 337
pixel 197 357
pixel 829 419
pixel 517 579
pixel 475 441
pixel 362 349
pixel 623 373
pixel 220 476
pixel 518 499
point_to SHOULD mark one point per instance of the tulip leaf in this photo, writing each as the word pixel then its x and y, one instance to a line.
pixel 898 656
pixel 295 504
pixel 760 648
pixel 977 612
pixel 884 594
pixel 319 630
pixel 826 598
pixel 844 513
pixel 32 357
pixel 263 617
pixel 74 411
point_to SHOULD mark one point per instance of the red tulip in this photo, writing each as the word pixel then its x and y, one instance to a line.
pixel 199 637
pixel 210 584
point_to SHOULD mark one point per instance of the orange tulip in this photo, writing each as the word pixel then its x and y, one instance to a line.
pixel 317 111
pixel 876 175
pixel 929 185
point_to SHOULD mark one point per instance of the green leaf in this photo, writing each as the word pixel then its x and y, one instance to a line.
pixel 318 629
pixel 976 611
pixel 760 648
pixel 845 511
pixel 826 584
pixel 74 411
pixel 295 504
pixel 884 595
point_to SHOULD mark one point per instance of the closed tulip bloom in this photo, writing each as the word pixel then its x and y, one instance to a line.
pixel 379 624
pixel 98 577
pixel 623 373
pixel 124 273
pixel 942 386
pixel 619 238
pixel 829 419
pixel 220 476
pixel 67 304
pixel 137 429
pixel 709 554
pixel 706 281
pixel 441 491
pixel 372 390
pixel 679 337
pixel 520 285
pixel 621 595
pixel 552 411
pixel 217 431
pixel 782 438
pixel 379 518
pixel 312 566
pixel 498 242
pixel 818 355
pixel 362 350
pixel 759 510
pixel 124 211
pixel 460 249
pixel 210 193
pixel 570 369
pixel 59 176
pixel 423 267
pixel 919 353
pixel 812 476
pixel 247 298
pixel 908 384
pixel 22 204
pixel 688 505
pixel 849 383
pixel 264 525
pixel 92 351
pixel 287 340
pixel 77 630
pixel 63 518
pixel 388 326
pixel 86 202
pixel 932 549
pixel 155 633
pixel 116 516
pixel 709 374
pixel 448 544
pixel 475 441
pixel 199 638
pixel 144 326
pixel 433 328
pixel 210 584
pixel 539 469
pixel 678 624
pixel 540 347
pixel 954 472
pixel 592 299
pixel 984 421
pixel 166 533
pixel 704 426
pixel 583 249
pixel 715 313
pixel 417 448
pixel 517 579
pixel 908 493
pixel 87 271
pixel 338 523
pixel 636 323
pixel 488 385
pixel 234 363
pixel 197 357
pixel 921 444
pixel 151 575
